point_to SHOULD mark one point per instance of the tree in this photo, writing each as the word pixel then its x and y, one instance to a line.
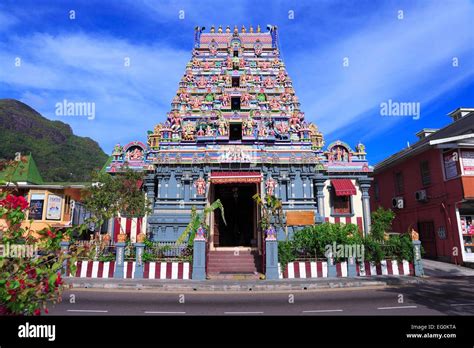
pixel 31 276
pixel 108 196
pixel 381 223
pixel 272 212
pixel 199 220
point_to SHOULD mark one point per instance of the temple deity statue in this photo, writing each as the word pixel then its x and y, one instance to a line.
pixel 360 147
pixel 270 185
pixel 175 121
pixel 268 82
pixel 248 127
pixel 262 129
pixel 134 155
pixel 274 104
pixel 118 150
pixel 295 122
pixel 183 96
pixel 223 126
pixel 245 99
pixel 188 131
pixel 229 62
pixel 189 77
pixel 196 103
pixel 200 185
pixel 195 63
pixel 225 100
pixel 202 82
pixel 281 77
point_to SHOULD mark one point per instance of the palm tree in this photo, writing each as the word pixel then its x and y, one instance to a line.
pixel 199 220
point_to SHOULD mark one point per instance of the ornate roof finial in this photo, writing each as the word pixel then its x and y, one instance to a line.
pixel 219 30
pixel 258 28
pixel 213 29
pixel 243 29
pixel 227 30
pixel 236 31
pixel 251 29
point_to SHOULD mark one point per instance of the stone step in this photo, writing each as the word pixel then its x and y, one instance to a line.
pixel 235 276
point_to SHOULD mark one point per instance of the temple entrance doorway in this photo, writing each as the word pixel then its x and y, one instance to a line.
pixel 240 214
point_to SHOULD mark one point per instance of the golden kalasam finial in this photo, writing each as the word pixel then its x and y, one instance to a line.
pixel 251 29
pixel 243 29
pixel 258 28
pixel 227 30
pixel 219 30
pixel 213 29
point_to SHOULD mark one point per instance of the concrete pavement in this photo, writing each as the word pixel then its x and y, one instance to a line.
pixel 443 269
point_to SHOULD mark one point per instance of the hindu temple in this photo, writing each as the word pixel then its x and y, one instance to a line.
pixel 236 128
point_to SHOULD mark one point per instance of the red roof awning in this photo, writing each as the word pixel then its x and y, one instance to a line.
pixel 343 187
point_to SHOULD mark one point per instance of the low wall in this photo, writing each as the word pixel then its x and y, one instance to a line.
pixel 319 269
pixel 151 270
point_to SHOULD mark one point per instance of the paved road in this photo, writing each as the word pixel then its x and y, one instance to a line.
pixel 441 296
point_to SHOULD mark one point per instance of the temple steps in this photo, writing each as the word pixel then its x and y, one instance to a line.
pixel 221 262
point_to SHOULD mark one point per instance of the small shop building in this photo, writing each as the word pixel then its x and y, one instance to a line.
pixel 430 187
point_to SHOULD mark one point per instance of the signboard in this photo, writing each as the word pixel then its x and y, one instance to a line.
pixel 299 218
pixel 467 159
pixel 451 165
pixel 53 209
pixel 36 209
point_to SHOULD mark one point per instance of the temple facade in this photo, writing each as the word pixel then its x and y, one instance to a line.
pixel 236 128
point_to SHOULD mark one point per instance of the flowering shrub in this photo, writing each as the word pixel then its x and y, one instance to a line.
pixel 29 282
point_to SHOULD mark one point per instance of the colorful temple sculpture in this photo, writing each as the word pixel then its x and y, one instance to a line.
pixel 235 129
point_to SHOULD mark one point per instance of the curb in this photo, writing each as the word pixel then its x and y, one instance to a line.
pixel 238 286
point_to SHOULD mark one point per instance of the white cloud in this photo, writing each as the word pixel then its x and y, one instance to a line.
pixel 407 60
pixel 79 67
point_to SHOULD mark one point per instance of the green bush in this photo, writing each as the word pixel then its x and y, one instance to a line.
pixel 311 243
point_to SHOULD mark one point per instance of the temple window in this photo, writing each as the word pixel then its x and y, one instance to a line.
pixel 235 103
pixel 341 205
pixel 236 53
pixel 235 131
pixel 235 81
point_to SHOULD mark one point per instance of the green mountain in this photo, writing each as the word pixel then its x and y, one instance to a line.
pixel 59 154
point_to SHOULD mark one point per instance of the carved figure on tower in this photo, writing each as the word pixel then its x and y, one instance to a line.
pixel 223 126
pixel 270 185
pixel 268 82
pixel 202 82
pixel 248 126
pixel 200 185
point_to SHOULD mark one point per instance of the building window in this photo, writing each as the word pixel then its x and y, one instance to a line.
pixel 425 173
pixel 235 81
pixel 236 53
pixel 36 206
pixel 235 103
pixel 398 183
pixel 376 191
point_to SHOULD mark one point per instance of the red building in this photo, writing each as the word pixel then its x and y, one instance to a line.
pixel 430 187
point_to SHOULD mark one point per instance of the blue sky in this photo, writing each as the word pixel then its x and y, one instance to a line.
pixel 407 59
